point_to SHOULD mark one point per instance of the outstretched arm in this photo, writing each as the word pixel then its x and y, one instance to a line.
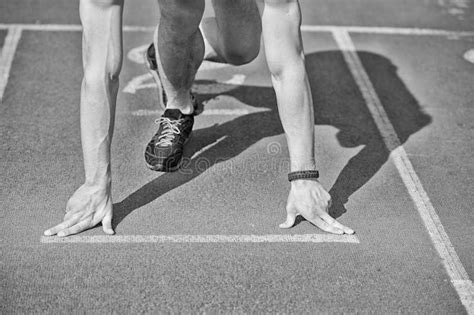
pixel 281 21
pixel 91 204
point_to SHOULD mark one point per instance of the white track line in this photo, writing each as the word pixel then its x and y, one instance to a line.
pixel 6 57
pixel 207 147
pixel 385 30
pixel 305 28
pixel 206 112
pixel 302 238
pixel 454 268
pixel 69 27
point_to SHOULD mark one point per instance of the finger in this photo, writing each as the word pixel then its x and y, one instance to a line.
pixel 331 221
pixel 107 224
pixel 77 228
pixel 290 220
pixel 325 226
pixel 346 229
pixel 61 226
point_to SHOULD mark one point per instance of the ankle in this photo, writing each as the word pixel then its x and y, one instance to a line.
pixel 184 105
pixel 185 109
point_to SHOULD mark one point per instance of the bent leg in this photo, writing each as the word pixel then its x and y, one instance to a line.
pixel 180 49
pixel 102 59
pixel 234 33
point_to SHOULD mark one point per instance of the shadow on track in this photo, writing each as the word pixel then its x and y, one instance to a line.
pixel 338 102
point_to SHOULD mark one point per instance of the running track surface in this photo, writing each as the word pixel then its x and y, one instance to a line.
pixel 394 128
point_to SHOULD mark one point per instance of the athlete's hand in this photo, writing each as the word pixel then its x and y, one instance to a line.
pixel 309 199
pixel 88 206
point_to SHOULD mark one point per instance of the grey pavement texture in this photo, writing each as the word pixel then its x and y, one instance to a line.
pixel 238 186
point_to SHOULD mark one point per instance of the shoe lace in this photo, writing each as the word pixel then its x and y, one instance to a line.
pixel 170 129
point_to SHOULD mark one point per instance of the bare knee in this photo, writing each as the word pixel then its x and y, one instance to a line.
pixel 242 55
pixel 101 39
pixel 281 69
pixel 238 30
pixel 101 64
pixel 94 76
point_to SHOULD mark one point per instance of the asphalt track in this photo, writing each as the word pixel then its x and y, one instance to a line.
pixel 394 131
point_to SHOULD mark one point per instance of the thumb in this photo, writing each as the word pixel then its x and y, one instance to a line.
pixel 290 219
pixel 107 224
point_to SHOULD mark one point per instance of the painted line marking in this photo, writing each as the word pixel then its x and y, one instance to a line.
pixel 206 112
pixel 385 30
pixel 207 147
pixel 69 27
pixel 451 262
pixel 146 81
pixel 138 83
pixel 302 238
pixel 305 28
pixel 6 57
pixel 237 79
pixel 469 55
pixel 137 54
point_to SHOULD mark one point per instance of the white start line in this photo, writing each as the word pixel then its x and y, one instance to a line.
pixel 272 238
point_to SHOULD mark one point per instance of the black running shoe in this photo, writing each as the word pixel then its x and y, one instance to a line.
pixel 164 152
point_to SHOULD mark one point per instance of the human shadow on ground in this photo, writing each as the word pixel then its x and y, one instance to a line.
pixel 337 102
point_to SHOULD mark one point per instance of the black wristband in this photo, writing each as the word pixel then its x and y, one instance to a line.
pixel 302 175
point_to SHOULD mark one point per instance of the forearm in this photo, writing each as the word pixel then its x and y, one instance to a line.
pixel 97 120
pixel 283 46
pixel 297 118
pixel 102 58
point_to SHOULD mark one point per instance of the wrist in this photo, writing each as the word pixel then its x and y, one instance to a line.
pixel 103 182
pixel 303 166
pixel 98 175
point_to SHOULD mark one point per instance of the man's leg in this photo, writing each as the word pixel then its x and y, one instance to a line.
pixel 180 50
pixel 91 204
pixel 234 33
pixel 174 57
pixel 177 53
